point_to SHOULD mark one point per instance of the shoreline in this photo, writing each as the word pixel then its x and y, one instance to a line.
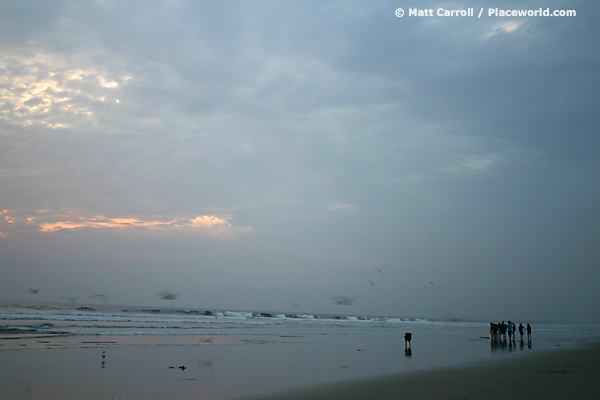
pixel 443 364
pixel 570 373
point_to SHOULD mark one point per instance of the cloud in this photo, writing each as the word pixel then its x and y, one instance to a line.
pixel 475 163
pixel 6 223
pixel 38 87
pixel 49 221
pixel 102 222
pixel 505 27
pixel 209 221
pixel 342 207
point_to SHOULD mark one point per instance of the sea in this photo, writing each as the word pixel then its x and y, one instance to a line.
pixel 116 320
pixel 106 320
pixel 231 354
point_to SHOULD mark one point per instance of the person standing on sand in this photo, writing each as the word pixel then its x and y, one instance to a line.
pixel 528 333
pixel 521 331
pixel 509 328
pixel 407 339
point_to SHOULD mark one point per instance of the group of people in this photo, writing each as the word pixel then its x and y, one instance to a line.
pixel 500 330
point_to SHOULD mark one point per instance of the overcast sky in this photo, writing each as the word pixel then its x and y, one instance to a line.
pixel 306 156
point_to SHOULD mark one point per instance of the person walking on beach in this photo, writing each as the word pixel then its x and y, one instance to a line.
pixel 509 328
pixel 528 333
pixel 407 339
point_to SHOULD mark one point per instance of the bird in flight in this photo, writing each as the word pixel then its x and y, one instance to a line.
pixel 166 295
pixel 431 285
pixel 344 301
pixel 34 291
pixel 102 297
pixel 69 299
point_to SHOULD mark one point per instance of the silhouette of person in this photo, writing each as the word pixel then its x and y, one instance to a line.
pixel 521 331
pixel 528 333
pixel 407 339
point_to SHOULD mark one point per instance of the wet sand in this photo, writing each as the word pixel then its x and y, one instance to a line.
pixel 291 368
pixel 556 374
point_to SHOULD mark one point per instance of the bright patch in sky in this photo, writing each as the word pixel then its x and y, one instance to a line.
pixel 48 221
pixel 43 89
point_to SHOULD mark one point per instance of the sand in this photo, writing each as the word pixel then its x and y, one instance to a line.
pixel 287 368
pixel 558 374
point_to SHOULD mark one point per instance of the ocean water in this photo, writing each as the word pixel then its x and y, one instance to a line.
pixel 111 320
pixel 32 319
pixel 232 354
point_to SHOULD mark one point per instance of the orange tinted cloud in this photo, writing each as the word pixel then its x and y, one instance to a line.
pixel 49 221
pixel 102 222
pixel 209 221
pixel 6 221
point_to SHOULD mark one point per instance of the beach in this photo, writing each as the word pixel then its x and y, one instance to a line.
pixel 272 368
pixel 65 351
pixel 557 374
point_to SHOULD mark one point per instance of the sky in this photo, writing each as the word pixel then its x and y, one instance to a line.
pixel 306 157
